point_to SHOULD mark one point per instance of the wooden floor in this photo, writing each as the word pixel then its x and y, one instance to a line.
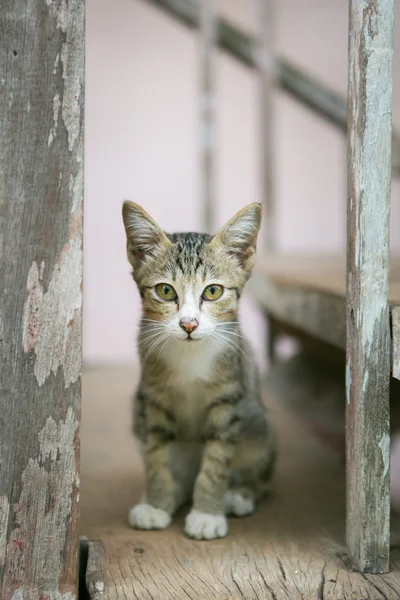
pixel 292 548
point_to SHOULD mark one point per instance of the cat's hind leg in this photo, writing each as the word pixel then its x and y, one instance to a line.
pixel 239 501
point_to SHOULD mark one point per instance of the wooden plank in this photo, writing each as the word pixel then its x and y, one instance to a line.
pixel 396 342
pixel 96 575
pixel 312 301
pixel 208 19
pixel 368 338
pixel 300 85
pixel 324 273
pixel 41 198
pixel 291 548
pixel 320 314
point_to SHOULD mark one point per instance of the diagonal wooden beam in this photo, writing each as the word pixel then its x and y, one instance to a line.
pixel 328 104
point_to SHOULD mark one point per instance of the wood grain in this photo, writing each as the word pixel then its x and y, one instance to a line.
pixel 41 197
pixel 396 342
pixel 368 337
pixel 300 85
pixel 292 547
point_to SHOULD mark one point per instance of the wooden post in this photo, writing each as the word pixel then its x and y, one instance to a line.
pixel 41 198
pixel 368 351
pixel 208 16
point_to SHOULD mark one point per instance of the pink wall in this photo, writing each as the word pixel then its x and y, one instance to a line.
pixel 142 144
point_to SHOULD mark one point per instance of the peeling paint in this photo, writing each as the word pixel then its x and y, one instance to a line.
pixel 72 59
pixel 44 507
pixel 32 308
pixel 4 511
pixel 59 11
pixel 384 445
pixel 56 63
pixel 348 382
pixel 56 109
pixel 52 320
pixel 396 342
pixel 72 70
pixel 57 344
pixel 365 381
pixel 99 586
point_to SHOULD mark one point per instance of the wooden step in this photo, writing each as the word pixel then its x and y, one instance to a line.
pixel 308 293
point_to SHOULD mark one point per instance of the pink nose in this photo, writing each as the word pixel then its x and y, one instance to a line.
pixel 188 325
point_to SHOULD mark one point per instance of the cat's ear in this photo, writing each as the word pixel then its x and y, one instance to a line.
pixel 239 235
pixel 144 237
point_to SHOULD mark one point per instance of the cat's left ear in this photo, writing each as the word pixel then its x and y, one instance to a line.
pixel 239 235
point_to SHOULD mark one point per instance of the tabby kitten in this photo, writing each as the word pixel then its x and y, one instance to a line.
pixel 204 433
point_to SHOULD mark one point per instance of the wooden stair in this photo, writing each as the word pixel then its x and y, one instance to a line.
pixel 308 295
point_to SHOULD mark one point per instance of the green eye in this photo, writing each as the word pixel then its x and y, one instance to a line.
pixel 213 292
pixel 165 291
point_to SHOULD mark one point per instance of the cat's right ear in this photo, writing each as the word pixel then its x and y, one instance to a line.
pixel 144 237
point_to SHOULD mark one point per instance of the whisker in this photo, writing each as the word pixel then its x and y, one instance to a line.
pixel 155 344
pixel 230 342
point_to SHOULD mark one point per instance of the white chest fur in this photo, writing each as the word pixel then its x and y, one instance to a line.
pixel 191 367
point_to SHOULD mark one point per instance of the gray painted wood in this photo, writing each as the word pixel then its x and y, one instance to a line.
pixel 368 338
pixel 208 19
pixel 301 86
pixel 96 573
pixel 41 198
pixel 396 342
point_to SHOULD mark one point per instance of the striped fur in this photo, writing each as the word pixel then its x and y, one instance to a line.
pixel 204 432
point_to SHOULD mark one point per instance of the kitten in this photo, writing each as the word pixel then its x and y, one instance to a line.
pixel 203 430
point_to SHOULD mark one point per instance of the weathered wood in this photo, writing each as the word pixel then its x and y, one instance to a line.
pixel 41 197
pixel 208 16
pixel 96 575
pixel 291 548
pixel 396 342
pixel 308 294
pixel 292 80
pixel 368 337
pixel 319 313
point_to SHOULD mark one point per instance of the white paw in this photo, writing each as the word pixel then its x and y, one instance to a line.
pixel 203 526
pixel 145 516
pixel 236 504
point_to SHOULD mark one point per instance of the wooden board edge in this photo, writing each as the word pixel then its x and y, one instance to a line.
pixel 396 342
pixel 314 312
pixel 96 572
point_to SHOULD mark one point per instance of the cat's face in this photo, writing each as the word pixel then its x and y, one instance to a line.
pixel 190 283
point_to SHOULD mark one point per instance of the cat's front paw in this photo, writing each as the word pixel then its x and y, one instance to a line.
pixel 145 516
pixel 203 526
